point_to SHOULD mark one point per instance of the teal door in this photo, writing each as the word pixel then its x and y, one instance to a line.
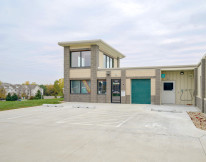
pixel 141 91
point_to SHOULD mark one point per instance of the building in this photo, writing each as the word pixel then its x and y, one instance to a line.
pixel 25 91
pixel 92 73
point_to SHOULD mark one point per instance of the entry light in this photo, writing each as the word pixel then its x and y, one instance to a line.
pixel 182 73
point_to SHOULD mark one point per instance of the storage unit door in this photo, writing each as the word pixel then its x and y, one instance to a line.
pixel 141 91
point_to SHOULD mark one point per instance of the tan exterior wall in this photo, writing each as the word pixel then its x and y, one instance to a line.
pixel 101 59
pixel 153 89
pixel 140 72
pixel 115 63
pixel 115 73
pixel 182 82
pixel 80 73
pixel 128 87
pixel 199 73
pixel 101 74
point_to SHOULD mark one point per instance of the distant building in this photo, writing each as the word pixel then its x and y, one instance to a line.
pixel 25 91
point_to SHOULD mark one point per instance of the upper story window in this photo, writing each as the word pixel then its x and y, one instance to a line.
pixel 81 59
pixel 108 62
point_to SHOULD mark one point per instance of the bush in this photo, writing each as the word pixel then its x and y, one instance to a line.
pixel 8 97
pixel 38 95
pixel 32 98
pixel 14 97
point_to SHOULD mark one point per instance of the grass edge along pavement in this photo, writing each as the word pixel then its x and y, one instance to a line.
pixel 9 105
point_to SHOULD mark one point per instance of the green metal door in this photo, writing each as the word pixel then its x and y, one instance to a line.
pixel 141 91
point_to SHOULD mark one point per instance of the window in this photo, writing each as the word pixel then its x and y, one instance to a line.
pixel 168 86
pixel 80 86
pixel 101 87
pixel 81 59
pixel 108 62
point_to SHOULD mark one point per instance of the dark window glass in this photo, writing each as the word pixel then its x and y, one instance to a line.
pixel 86 58
pixel 75 86
pixel 85 86
pixel 168 86
pixel 101 86
pixel 80 86
pixel 75 59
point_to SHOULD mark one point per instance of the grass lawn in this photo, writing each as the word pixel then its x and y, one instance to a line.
pixel 8 105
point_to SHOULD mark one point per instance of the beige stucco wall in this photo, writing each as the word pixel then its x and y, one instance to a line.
pixel 80 73
pixel 115 73
pixel 115 63
pixel 153 91
pixel 182 82
pixel 140 72
pixel 199 71
pixel 101 74
pixel 128 87
pixel 101 59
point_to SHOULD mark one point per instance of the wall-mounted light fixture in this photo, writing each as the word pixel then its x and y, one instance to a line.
pixel 182 73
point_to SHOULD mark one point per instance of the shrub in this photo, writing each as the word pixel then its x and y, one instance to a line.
pixel 8 97
pixel 14 97
pixel 31 98
pixel 38 95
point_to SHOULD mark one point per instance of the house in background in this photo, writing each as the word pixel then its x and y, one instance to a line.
pixel 25 91
pixel 92 73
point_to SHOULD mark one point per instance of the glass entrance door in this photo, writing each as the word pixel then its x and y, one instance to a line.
pixel 116 91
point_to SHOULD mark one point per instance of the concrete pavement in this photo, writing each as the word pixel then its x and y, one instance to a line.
pixel 102 132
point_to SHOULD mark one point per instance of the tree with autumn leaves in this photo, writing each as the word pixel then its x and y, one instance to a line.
pixel 55 89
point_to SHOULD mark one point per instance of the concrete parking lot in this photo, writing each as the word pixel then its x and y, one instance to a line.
pixel 101 132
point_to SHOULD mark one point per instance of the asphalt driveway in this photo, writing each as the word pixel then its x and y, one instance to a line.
pixel 101 132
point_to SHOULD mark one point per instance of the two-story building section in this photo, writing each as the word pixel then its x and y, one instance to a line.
pixel 92 73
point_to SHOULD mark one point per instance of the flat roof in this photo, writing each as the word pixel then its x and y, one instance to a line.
pixel 102 46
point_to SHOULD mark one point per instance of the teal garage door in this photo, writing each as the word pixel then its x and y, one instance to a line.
pixel 141 91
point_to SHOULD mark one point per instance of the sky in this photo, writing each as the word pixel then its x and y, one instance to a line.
pixel 147 32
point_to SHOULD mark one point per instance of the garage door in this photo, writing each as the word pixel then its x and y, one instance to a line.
pixel 141 91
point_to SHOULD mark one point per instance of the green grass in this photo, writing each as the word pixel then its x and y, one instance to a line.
pixel 8 105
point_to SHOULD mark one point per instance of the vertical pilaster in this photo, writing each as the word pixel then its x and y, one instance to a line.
pixel 195 86
pixel 123 86
pixel 118 62
pixel 158 87
pixel 66 73
pixel 108 93
pixel 203 83
pixel 94 66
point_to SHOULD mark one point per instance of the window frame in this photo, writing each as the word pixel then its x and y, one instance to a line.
pixel 80 84
pixel 98 87
pixel 80 59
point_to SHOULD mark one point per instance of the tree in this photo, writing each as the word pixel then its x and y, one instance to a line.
pixel 58 87
pixel 44 88
pixel 26 83
pixel 33 83
pixel 0 82
pixel 38 95
pixel 8 97
pixel 2 93
pixel 14 97
pixel 50 90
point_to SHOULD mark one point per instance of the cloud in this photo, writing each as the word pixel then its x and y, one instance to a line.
pixel 150 32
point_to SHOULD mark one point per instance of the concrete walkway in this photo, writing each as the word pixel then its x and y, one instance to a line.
pixel 101 132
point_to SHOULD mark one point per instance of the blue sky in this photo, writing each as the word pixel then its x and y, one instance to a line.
pixel 149 32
